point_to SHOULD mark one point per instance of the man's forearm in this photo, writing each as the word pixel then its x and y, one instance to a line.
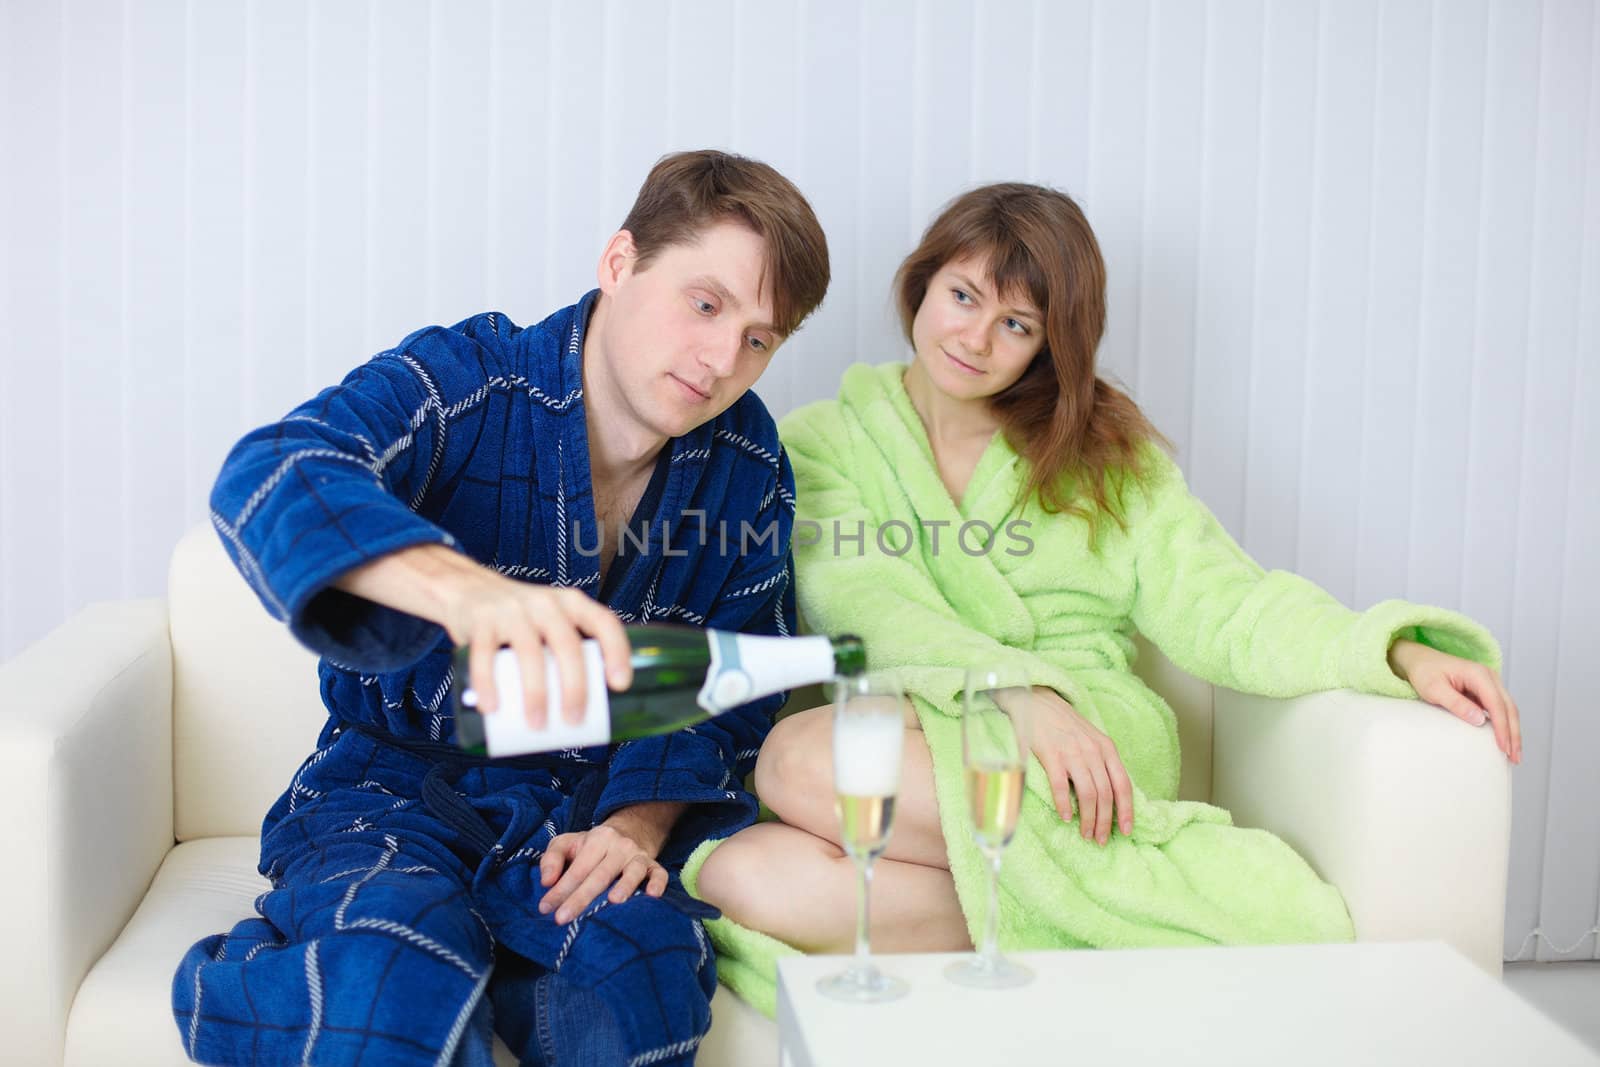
pixel 649 823
pixel 414 580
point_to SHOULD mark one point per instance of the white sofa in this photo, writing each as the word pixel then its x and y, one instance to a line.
pixel 141 743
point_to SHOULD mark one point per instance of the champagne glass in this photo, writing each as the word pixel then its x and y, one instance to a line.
pixel 994 752
pixel 868 737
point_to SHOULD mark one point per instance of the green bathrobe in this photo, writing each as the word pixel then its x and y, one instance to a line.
pixel 1187 875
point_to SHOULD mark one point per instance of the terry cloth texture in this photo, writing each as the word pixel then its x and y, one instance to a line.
pixel 1068 612
pixel 399 865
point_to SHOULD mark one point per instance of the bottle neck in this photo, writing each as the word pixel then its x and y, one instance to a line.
pixel 849 655
pixel 746 667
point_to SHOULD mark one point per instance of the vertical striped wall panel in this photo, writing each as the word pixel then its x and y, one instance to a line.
pixel 1353 253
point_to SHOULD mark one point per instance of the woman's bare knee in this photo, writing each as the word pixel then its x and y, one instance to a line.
pixel 801 889
pixel 794 777
pixel 773 878
pixel 794 770
pixel 725 880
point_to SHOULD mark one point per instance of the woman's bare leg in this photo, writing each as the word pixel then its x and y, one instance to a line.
pixel 801 889
pixel 795 882
pixel 794 777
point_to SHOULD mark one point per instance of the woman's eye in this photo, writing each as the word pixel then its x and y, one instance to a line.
pixel 757 344
pixel 1016 327
pixel 961 296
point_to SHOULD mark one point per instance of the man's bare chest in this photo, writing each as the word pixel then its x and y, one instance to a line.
pixel 614 507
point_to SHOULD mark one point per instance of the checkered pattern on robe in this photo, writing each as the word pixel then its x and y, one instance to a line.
pixel 378 937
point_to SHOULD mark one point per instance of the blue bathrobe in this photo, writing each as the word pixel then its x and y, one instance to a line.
pixel 405 874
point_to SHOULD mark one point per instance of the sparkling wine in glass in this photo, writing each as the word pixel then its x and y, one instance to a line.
pixel 868 736
pixel 994 754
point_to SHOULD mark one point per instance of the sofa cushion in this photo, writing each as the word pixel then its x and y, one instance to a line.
pixel 123 1011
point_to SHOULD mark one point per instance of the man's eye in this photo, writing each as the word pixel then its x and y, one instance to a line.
pixel 757 344
pixel 705 307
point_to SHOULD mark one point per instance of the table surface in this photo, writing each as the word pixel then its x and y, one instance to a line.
pixel 1368 1003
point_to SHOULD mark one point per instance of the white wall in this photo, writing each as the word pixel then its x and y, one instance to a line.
pixel 1352 252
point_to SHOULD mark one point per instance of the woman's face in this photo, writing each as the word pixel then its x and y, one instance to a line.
pixel 971 340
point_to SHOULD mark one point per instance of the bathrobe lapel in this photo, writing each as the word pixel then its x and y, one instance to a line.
pixel 946 535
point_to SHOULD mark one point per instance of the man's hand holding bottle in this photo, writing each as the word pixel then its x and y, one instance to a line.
pixel 484 611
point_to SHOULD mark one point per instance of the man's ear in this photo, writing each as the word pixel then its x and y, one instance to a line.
pixel 616 262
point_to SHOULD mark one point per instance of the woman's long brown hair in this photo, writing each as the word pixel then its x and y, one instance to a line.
pixel 1081 436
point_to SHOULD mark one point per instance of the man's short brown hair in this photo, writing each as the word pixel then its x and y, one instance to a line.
pixel 687 192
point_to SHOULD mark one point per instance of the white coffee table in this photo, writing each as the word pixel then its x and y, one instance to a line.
pixel 1367 1003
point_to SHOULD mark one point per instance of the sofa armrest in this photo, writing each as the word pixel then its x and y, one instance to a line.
pixel 1404 807
pixel 86 785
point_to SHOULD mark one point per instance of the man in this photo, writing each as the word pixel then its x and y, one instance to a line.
pixel 453 491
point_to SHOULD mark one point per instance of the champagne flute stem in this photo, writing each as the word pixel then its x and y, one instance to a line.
pixel 863 951
pixel 991 932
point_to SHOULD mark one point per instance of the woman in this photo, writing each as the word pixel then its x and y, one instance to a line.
pixel 1000 424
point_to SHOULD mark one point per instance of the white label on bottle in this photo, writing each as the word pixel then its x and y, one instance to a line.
pixel 758 665
pixel 507 733
pixel 866 753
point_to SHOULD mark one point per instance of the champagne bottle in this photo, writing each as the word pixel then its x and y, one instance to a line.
pixel 681 676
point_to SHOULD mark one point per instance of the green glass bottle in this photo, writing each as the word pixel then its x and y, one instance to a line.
pixel 681 676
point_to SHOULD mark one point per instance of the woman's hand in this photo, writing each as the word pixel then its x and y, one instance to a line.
pixel 1075 754
pixel 1469 691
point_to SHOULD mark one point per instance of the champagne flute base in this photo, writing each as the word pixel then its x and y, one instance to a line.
pixel 863 986
pixel 988 972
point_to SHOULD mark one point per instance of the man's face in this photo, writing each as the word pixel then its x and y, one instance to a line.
pixel 686 336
